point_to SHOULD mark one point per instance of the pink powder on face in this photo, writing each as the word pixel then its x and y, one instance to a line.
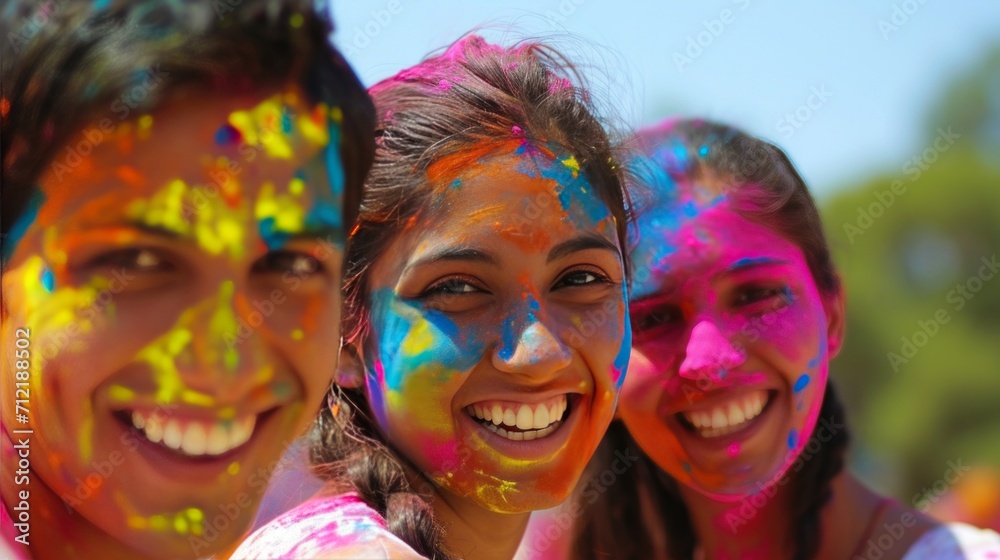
pixel 709 354
pixel 733 449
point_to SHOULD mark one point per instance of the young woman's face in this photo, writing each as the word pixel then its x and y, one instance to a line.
pixel 181 287
pixel 499 333
pixel 732 341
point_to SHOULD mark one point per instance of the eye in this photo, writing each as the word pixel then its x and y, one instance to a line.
pixel 655 316
pixel 581 278
pixel 136 260
pixel 294 262
pixel 778 296
pixel 452 286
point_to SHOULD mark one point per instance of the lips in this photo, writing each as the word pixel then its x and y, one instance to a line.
pixel 727 416
pixel 520 421
pixel 194 437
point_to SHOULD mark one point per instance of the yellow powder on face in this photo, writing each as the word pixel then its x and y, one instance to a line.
pixel 189 211
pixel 263 126
pixel 121 393
pixel 161 355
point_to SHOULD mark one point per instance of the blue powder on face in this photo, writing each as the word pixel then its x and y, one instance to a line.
pixel 23 223
pixel 227 134
pixel 625 352
pixel 48 280
pixel 450 350
pixel 750 261
pixel 793 438
pixel 511 335
pixel 334 167
pixel 456 183
pixel 272 238
pixel 703 151
pixel 801 383
pixel 573 190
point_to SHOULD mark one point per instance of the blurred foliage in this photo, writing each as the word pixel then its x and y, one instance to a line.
pixel 903 256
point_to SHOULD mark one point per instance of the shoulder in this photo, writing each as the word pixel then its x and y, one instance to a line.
pixel 955 541
pixel 326 527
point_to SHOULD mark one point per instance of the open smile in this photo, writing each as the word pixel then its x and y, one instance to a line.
pixel 520 421
pixel 193 438
pixel 726 417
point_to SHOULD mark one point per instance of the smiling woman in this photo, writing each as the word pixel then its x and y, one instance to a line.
pixel 737 311
pixel 485 315
pixel 177 263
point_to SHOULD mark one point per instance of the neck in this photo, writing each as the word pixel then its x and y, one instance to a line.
pixel 756 527
pixel 472 531
pixel 759 527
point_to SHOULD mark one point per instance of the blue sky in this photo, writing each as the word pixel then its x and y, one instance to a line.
pixel 869 68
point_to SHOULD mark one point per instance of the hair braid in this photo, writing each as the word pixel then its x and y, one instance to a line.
pixel 347 446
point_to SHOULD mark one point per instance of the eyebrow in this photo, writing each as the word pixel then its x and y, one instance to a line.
pixel 456 254
pixel 582 243
pixel 751 263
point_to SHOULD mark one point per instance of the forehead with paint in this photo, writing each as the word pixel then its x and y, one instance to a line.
pixel 673 191
pixel 206 172
pixel 188 260
pixel 482 268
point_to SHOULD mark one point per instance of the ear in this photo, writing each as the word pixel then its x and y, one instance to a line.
pixel 834 306
pixel 350 367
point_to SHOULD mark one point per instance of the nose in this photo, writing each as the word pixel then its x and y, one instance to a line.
pixel 709 354
pixel 529 346
pixel 209 356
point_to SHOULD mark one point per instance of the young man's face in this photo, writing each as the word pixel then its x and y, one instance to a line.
pixel 181 287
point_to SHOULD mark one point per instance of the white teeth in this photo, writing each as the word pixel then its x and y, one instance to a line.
pixel 727 418
pixel 521 422
pixel 736 415
pixel 172 435
pixel 195 438
pixel 525 418
pixel 541 417
pixel 218 440
pixel 154 429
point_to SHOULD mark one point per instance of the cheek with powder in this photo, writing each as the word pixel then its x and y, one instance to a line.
pixel 419 351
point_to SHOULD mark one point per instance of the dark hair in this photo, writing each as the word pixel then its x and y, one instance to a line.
pixel 765 188
pixel 69 64
pixel 474 92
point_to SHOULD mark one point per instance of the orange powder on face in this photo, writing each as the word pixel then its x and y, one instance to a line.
pixel 130 176
pixel 446 169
